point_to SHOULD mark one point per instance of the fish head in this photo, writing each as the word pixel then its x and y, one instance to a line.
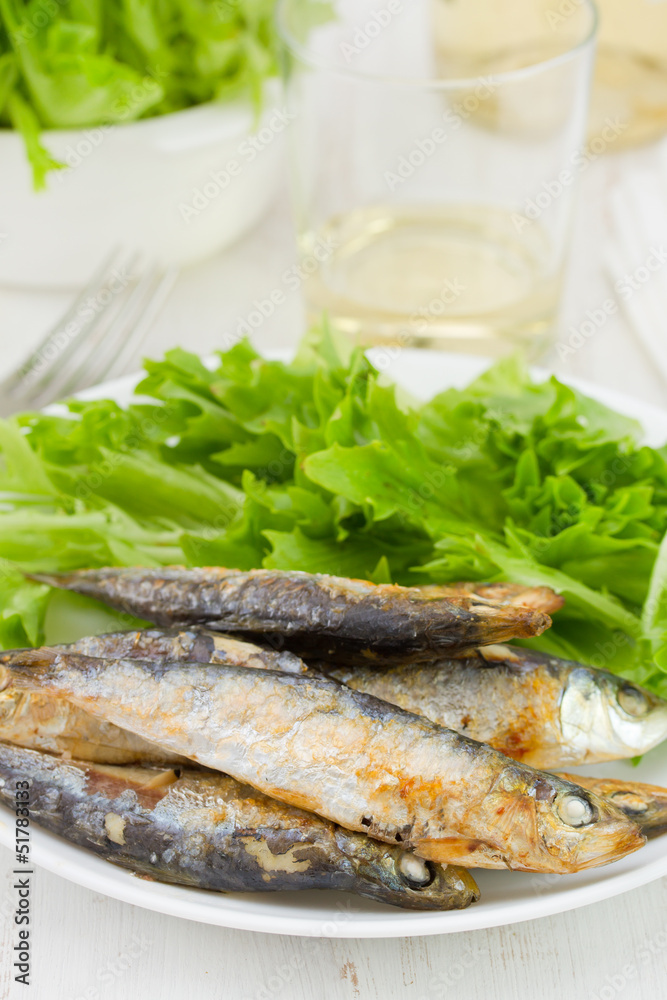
pixel 542 822
pixel 393 874
pixel 645 804
pixel 604 717
pixel 580 829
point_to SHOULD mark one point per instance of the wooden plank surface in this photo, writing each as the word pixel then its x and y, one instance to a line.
pixel 88 947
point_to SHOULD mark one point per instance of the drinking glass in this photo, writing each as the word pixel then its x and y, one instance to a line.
pixel 435 147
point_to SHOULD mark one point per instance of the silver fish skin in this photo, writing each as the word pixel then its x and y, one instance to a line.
pixel 357 761
pixel 195 644
pixel 539 709
pixel 41 721
pixel 321 615
pixel 208 831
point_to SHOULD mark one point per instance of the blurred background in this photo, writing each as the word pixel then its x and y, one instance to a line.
pixel 454 173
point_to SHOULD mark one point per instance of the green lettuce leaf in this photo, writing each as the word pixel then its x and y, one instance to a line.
pixel 319 465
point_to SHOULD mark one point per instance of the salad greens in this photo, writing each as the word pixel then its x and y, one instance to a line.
pixel 84 63
pixel 319 465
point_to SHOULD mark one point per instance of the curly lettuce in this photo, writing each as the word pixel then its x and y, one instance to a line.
pixel 319 465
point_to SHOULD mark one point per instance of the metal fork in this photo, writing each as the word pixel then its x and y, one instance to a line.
pixel 96 338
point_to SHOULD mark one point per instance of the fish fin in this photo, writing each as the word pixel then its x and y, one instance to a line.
pixel 26 665
pixel 460 851
pixel 540 599
pixel 52 579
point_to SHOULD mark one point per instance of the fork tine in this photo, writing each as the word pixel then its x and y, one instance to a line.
pixel 29 383
pixel 65 375
pixel 110 324
pixel 90 363
pixel 141 328
pixel 95 282
pixel 128 327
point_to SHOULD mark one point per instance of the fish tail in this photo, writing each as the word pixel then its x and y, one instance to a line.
pixel 8 654
pixel 90 583
pixel 42 578
pixel 108 587
pixel 64 581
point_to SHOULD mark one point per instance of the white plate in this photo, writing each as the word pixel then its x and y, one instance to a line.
pixel 507 897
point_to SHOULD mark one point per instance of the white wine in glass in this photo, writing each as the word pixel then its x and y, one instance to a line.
pixel 475 276
pixel 434 150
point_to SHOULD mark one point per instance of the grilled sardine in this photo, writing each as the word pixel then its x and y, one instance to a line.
pixel 366 765
pixel 208 831
pixel 195 644
pixel 42 721
pixel 326 616
pixel 536 708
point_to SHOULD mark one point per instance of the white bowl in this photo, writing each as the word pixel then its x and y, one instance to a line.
pixel 178 187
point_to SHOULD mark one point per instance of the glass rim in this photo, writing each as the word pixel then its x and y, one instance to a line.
pixel 435 83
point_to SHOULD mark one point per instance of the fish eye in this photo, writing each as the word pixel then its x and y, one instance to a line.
pixel 629 802
pixel 575 811
pixel 633 701
pixel 416 873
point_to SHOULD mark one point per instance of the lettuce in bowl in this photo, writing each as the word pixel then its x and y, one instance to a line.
pixel 78 63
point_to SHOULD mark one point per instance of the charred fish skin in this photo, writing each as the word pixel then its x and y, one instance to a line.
pixel 314 614
pixel 542 710
pixel 361 763
pixel 645 804
pixel 41 721
pixel 210 832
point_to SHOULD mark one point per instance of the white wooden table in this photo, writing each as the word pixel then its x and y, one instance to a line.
pixel 88 947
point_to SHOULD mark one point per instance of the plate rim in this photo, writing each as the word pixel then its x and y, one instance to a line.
pixel 118 883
